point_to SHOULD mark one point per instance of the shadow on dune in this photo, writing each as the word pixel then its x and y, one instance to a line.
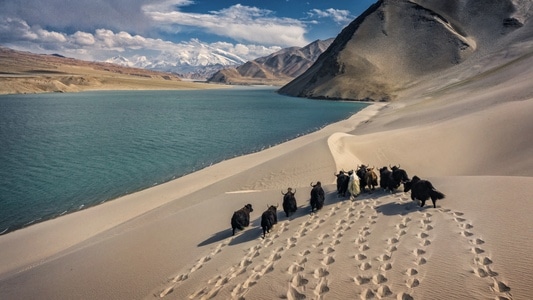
pixel 250 233
pixel 241 236
pixel 217 237
pixel 394 208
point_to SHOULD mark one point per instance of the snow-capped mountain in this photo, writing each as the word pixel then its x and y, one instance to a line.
pixel 195 60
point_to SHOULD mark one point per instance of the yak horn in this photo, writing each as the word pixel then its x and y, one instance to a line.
pixel 311 184
pixel 282 193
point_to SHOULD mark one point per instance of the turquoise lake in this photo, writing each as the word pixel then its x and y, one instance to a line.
pixel 60 153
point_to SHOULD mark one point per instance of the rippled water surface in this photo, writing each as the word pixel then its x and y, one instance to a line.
pixel 63 152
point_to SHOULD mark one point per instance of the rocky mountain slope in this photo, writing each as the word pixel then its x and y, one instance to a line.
pixel 396 44
pixel 276 69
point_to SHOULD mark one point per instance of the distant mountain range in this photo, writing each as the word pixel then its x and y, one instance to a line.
pixel 204 62
pixel 200 61
pixel 277 69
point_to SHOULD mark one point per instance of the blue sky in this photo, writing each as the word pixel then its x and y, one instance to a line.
pixel 98 29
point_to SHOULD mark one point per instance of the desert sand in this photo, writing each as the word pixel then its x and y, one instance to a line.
pixel 470 137
pixel 466 129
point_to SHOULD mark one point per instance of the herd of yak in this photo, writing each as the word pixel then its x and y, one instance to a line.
pixel 352 183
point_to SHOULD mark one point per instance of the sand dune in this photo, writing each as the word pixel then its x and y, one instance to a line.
pixel 467 130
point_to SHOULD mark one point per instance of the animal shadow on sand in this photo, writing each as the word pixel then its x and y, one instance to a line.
pixel 250 233
pixel 394 208
pixel 217 237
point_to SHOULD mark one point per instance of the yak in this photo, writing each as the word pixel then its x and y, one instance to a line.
pixel 371 178
pixel 241 218
pixel 269 218
pixel 353 186
pixel 342 183
pixel 317 197
pixel 289 202
pixel 361 173
pixel 422 190
pixel 399 175
pixel 386 181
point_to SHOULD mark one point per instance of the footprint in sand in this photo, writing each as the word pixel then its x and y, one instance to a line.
pixel 321 287
pixel 361 280
pixel 321 272
pixel 365 266
pixel 294 294
pixel 299 280
pixel 368 294
pixel 386 266
pixel 411 272
pixel 383 291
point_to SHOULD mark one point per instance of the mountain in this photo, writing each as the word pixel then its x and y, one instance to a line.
pixel 396 44
pixel 24 72
pixel 197 60
pixel 277 68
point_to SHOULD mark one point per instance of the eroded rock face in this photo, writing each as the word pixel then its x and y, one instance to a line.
pixel 396 42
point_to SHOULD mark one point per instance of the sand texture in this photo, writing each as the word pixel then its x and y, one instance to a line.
pixel 466 129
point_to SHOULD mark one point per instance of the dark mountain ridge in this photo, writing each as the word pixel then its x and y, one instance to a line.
pixel 397 43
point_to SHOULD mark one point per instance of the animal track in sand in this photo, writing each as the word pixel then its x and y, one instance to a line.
pixel 174 282
pixel 215 284
pixel 321 287
pixel 325 243
pixel 294 294
pixel 321 272
pixel 360 280
pixel 481 263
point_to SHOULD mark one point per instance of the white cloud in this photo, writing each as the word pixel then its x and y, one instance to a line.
pixel 83 38
pixel 239 22
pixel 338 15
pixel 46 36
pixel 258 31
pixel 104 43
pixel 12 28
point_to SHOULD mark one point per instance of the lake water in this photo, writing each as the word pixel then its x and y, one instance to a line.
pixel 60 153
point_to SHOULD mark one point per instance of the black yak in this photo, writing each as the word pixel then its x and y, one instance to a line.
pixel 317 197
pixel 269 218
pixel 399 175
pixel 422 190
pixel 361 173
pixel 386 181
pixel 241 218
pixel 289 202
pixel 342 183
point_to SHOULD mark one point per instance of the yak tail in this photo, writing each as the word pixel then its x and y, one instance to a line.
pixel 436 194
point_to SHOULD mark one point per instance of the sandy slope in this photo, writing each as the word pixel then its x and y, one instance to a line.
pixel 468 130
pixel 173 241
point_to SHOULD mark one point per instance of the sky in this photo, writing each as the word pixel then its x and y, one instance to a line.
pixel 100 29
